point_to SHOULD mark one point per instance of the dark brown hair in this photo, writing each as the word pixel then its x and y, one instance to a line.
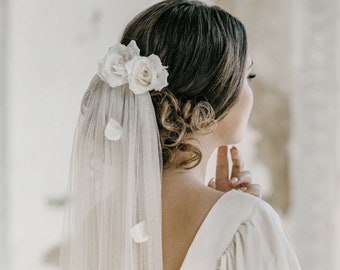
pixel 205 50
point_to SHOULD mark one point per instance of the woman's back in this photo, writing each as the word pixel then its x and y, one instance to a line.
pixel 238 231
pixel 183 211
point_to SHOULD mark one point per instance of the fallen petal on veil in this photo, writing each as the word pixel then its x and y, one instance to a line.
pixel 113 130
pixel 138 232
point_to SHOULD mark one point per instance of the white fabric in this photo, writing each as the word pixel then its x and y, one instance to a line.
pixel 241 232
pixel 115 184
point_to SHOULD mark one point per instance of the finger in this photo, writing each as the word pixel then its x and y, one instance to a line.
pixel 253 189
pixel 243 178
pixel 212 183
pixel 222 169
pixel 237 162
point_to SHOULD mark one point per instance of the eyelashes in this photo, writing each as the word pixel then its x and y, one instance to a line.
pixel 251 76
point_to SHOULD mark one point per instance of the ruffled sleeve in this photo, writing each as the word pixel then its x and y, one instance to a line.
pixel 260 242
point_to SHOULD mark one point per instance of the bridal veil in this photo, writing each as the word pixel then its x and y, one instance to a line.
pixel 114 194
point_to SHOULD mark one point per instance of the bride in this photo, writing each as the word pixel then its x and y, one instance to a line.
pixel 175 88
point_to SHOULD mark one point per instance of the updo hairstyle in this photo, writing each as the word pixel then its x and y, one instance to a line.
pixel 205 50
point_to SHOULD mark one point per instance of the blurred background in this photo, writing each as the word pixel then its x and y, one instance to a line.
pixel 48 54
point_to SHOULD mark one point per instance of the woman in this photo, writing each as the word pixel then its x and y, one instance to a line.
pixel 174 89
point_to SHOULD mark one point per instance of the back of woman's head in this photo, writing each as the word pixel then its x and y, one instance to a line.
pixel 205 50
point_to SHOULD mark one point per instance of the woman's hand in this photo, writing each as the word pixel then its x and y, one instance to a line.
pixel 239 179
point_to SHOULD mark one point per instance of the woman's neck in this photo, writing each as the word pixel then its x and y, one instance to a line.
pixel 206 146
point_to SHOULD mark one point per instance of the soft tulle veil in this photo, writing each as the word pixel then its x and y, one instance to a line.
pixel 113 218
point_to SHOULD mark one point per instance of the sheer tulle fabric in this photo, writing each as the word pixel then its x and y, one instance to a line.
pixel 113 185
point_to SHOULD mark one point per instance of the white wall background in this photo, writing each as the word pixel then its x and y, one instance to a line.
pixel 3 118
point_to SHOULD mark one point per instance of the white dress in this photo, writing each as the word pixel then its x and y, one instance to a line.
pixel 241 232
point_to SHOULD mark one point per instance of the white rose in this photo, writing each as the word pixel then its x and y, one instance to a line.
pixel 146 73
pixel 111 68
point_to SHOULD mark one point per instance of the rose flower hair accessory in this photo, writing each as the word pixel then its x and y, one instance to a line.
pixel 124 65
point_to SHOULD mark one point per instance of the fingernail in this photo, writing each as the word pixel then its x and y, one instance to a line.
pixel 211 181
pixel 243 189
pixel 234 180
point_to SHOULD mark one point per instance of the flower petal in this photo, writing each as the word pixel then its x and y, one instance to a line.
pixel 134 50
pixel 161 74
pixel 138 232
pixel 113 130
